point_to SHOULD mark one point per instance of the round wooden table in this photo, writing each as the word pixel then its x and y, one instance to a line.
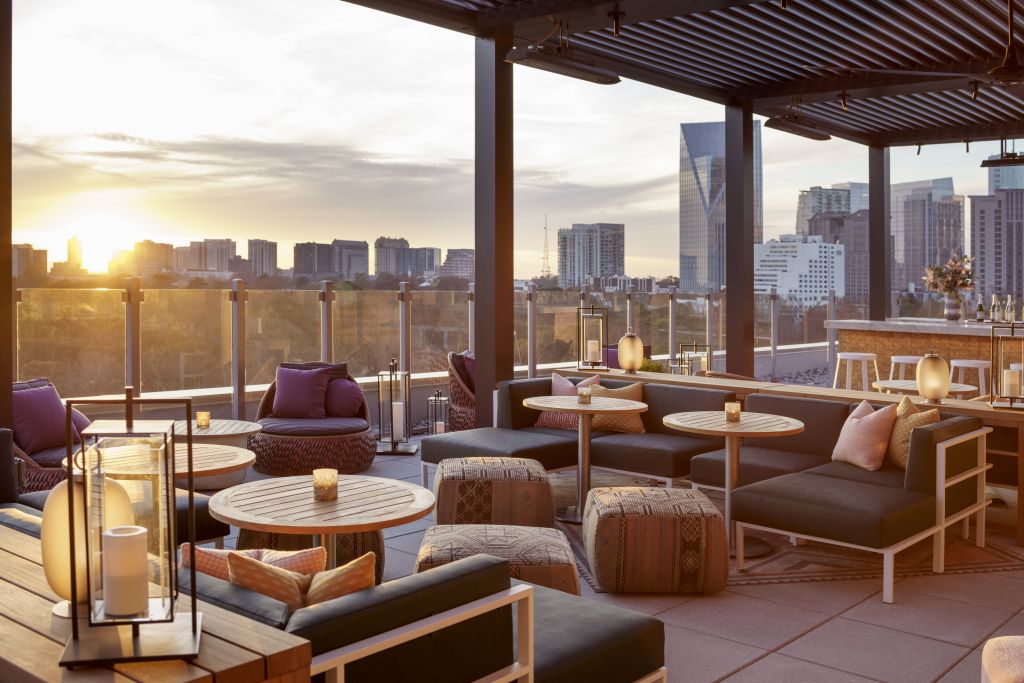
pixel 909 386
pixel 285 505
pixel 213 466
pixel 223 432
pixel 713 423
pixel 586 412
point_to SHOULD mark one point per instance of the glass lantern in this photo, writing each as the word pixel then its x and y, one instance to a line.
pixel 131 570
pixel 693 358
pixel 591 338
pixel 1005 389
pixel 437 413
pixel 394 421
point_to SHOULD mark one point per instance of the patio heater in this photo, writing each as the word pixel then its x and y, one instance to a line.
pixel 437 413
pixel 394 423
pixel 591 338
pixel 1005 390
pixel 693 358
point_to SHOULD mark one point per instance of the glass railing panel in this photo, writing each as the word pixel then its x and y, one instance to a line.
pixel 556 325
pixel 440 323
pixel 366 330
pixel 73 337
pixel 186 339
pixel 281 325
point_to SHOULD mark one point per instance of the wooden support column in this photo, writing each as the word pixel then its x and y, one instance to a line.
pixel 493 340
pixel 739 239
pixel 879 234
pixel 7 307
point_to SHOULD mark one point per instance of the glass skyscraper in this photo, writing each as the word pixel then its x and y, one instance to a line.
pixel 702 204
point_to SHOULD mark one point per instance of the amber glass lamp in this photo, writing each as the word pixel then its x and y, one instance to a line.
pixel 933 378
pixel 631 351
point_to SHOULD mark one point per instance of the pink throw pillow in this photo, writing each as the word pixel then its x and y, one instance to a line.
pixel 865 436
pixel 214 562
pixel 560 386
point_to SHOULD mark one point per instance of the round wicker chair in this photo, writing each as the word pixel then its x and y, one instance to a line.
pixel 293 454
pixel 462 411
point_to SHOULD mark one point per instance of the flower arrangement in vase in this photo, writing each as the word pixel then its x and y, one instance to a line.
pixel 950 279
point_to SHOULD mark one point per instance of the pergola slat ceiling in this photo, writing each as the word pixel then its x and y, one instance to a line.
pixel 728 51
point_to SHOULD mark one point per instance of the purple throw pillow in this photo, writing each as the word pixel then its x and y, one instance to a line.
pixel 344 398
pixel 80 421
pixel 469 362
pixel 39 418
pixel 300 393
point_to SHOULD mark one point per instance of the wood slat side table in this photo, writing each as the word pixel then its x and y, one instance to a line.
pixel 223 432
pixel 586 412
pixel 713 423
pixel 214 466
pixel 285 505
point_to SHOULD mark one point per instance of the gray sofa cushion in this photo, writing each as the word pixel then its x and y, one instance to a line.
pixel 837 509
pixel 250 604
pixel 889 475
pixel 324 426
pixel 21 518
pixel 661 455
pixel 665 399
pixel 823 420
pixel 50 457
pixel 756 464
pixel 551 451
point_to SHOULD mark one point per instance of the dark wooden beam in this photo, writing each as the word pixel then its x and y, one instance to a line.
pixel 7 310
pixel 435 13
pixel 935 136
pixel 739 239
pixel 856 87
pixel 495 310
pixel 879 234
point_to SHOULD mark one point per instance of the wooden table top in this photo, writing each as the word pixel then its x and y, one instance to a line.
pixel 286 505
pixel 207 459
pixel 713 423
pixel 910 386
pixel 571 404
pixel 233 649
pixel 219 427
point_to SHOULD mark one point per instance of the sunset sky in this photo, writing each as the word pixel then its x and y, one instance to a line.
pixel 312 120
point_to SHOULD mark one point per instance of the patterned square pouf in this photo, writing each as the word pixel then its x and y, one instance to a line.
pixel 493 491
pixel 537 555
pixel 654 540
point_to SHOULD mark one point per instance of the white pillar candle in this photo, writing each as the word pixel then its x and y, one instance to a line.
pixel 593 351
pixel 398 421
pixel 1011 383
pixel 439 427
pixel 125 571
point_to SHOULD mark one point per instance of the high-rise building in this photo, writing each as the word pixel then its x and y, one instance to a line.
pixel 850 231
pixel 151 257
pixel 352 258
pixel 74 253
pixel 858 195
pixel 263 258
pixel 820 200
pixel 219 253
pixel 460 263
pixel 702 204
pixel 916 243
pixel 390 255
pixel 589 250
pixel 1004 177
pixel 29 262
pixel 997 243
pixel 313 259
pixel 801 268
pixel 422 262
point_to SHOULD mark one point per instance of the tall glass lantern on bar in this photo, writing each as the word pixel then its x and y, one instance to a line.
pixel 1007 378
pixel 693 358
pixel 591 338
pixel 394 411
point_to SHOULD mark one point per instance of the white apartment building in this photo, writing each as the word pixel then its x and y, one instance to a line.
pixel 802 268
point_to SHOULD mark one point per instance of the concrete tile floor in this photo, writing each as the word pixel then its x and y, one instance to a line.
pixel 816 632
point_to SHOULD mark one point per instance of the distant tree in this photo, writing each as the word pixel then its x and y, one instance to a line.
pixel 386 281
pixel 451 284
pixel 670 281
pixel 546 283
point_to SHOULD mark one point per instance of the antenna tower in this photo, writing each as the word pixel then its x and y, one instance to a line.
pixel 545 261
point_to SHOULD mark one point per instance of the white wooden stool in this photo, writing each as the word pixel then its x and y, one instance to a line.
pixel 959 366
pixel 851 358
pixel 903 362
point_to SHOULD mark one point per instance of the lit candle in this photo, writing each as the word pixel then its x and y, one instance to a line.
pixel 325 484
pixel 583 394
pixel 398 421
pixel 125 571
pixel 1011 383
pixel 439 427
pixel 202 419
pixel 732 412
pixel 593 351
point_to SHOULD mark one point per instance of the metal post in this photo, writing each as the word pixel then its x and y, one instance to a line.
pixel 879 233
pixel 14 328
pixel 739 238
pixel 404 328
pixel 238 296
pixel 673 340
pixel 773 301
pixel 830 349
pixel 894 304
pixel 630 321
pixel 132 298
pixel 472 316
pixel 6 246
pixel 326 321
pixel 584 294
pixel 531 330
pixel 709 328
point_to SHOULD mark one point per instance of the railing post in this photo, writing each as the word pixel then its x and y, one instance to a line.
pixel 404 328
pixel 894 304
pixel 16 299
pixel 531 330
pixel 471 299
pixel 830 347
pixel 238 297
pixel 132 297
pixel 773 302
pixel 326 321
pixel 672 338
pixel 630 322
pixel 709 331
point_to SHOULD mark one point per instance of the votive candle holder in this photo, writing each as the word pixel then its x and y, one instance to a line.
pixel 325 484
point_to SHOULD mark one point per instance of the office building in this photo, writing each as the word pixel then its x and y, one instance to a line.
pixel 421 262
pixel 997 243
pixel 460 263
pixel 801 268
pixel 151 257
pixel 702 204
pixel 851 232
pixel 622 283
pixel 28 262
pixel 313 259
pixel 820 200
pixel 213 255
pixel 390 255
pixel 1005 177
pixel 352 258
pixel 263 258
pixel 74 252
pixel 915 229
pixel 589 250
pixel 858 195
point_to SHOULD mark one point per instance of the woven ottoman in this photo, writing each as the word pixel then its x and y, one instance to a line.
pixel 493 491
pixel 655 540
pixel 538 555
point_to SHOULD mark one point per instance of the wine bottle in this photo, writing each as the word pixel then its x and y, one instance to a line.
pixel 979 314
pixel 1008 312
pixel 993 310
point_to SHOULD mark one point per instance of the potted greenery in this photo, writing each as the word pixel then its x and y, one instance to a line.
pixel 950 279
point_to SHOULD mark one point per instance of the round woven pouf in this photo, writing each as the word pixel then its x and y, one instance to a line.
pixel 283 455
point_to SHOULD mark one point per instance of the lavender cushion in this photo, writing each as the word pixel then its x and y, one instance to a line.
pixel 344 398
pixel 39 418
pixel 469 362
pixel 300 393
pixel 80 421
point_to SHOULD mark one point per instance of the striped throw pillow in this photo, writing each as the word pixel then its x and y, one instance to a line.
pixel 560 386
pixel 214 562
pixel 865 436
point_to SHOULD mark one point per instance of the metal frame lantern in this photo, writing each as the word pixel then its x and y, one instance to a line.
pixel 591 338
pixel 437 413
pixel 131 570
pixel 394 408
pixel 1005 382
pixel 693 358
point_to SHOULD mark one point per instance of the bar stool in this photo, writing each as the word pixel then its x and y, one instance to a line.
pixel 902 362
pixel 961 365
pixel 852 358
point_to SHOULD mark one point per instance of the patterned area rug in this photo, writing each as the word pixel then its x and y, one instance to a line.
pixel 820 562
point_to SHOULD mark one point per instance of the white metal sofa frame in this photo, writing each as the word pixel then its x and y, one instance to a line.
pixel 332 664
pixel 937 531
